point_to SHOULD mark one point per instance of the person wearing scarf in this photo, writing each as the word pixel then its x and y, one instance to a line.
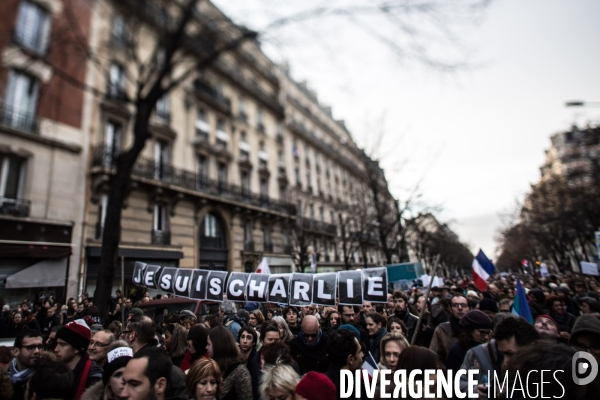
pixel 28 345
pixel 558 311
pixel 475 329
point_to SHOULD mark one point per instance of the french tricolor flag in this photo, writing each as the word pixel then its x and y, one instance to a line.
pixel 369 365
pixel 482 270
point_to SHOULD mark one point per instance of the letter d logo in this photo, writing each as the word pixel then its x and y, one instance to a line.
pixel 582 364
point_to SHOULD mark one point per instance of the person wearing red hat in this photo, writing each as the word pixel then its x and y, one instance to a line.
pixel 547 327
pixel 315 386
pixel 72 341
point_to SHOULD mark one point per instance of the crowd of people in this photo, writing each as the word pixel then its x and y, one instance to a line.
pixel 251 351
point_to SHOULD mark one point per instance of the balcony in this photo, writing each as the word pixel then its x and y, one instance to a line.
pixel 104 159
pixel 17 119
pixel 268 247
pixel 161 237
pixel 210 95
pixel 249 246
pixel 312 225
pixel 15 207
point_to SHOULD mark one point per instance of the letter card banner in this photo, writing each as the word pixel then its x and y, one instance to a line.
pixel 375 287
pixel 182 282
pixel 258 288
pixel 350 288
pixel 138 272
pixel 198 286
pixel 301 289
pixel 324 289
pixel 167 278
pixel 216 285
pixel 236 286
pixel 279 286
pixel 151 275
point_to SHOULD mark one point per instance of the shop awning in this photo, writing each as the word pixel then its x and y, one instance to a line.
pixel 47 273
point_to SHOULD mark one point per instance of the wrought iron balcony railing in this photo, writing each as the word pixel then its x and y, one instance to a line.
pixel 17 119
pixel 161 237
pixel 317 226
pixel 104 157
pixel 15 207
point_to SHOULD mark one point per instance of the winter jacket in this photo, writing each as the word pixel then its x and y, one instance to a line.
pixel 310 358
pixel 94 392
pixel 478 358
pixel 443 338
pixel 410 320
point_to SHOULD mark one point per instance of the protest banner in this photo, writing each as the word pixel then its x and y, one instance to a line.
pixel 347 287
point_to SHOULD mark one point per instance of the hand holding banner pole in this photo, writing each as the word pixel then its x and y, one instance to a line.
pixel 435 267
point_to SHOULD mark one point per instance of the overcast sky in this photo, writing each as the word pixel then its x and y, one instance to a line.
pixel 474 139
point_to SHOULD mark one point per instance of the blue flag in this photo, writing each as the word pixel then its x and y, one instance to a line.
pixel 521 306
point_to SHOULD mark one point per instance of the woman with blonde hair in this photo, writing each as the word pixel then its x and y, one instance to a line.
pixel 278 382
pixel 284 330
pixel 176 342
pixel 390 348
pixel 204 381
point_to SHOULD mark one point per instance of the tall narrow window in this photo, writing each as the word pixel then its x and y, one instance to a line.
pixel 202 171
pixel 21 102
pixel 116 88
pixel 163 108
pixel 222 174
pixel 222 136
pixel 245 184
pixel 161 159
pixel 102 207
pixel 33 27
pixel 12 175
pixel 210 226
pixel 322 214
pixel 120 33
pixel 298 180
pixel 113 138
pixel 159 218
pixel 242 109
pixel 268 247
pixel 202 127
pixel 264 189
pixel 260 126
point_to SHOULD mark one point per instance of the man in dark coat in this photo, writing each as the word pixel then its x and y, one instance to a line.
pixel 309 348
pixel 401 311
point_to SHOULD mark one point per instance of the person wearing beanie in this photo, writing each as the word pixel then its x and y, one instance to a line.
pixel 72 341
pixel 315 386
pixel 588 305
pixel 489 306
pixel 111 386
pixel 585 335
pixel 547 327
pixel 475 328
pixel 134 313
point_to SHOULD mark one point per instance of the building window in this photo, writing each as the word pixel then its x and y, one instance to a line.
pixel 120 33
pixel 244 147
pixel 242 109
pixel 113 136
pixel 268 247
pixel 262 155
pixel 116 86
pixel 161 159
pixel 264 189
pixel 245 184
pixel 163 108
pixel 248 232
pixel 322 214
pixel 202 127
pixel 210 226
pixel 312 211
pixel 222 136
pixel 160 218
pixel 21 102
pixel 299 210
pixel 12 176
pixel 282 193
pixel 202 169
pixel 33 27
pixel 260 126
pixel 222 174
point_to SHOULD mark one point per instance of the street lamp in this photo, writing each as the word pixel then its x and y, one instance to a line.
pixel 579 103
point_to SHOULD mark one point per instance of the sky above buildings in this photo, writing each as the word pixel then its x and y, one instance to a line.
pixel 473 140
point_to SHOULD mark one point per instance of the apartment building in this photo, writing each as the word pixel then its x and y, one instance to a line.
pixel 242 161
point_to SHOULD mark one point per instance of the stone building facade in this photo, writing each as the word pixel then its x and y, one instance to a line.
pixel 243 162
